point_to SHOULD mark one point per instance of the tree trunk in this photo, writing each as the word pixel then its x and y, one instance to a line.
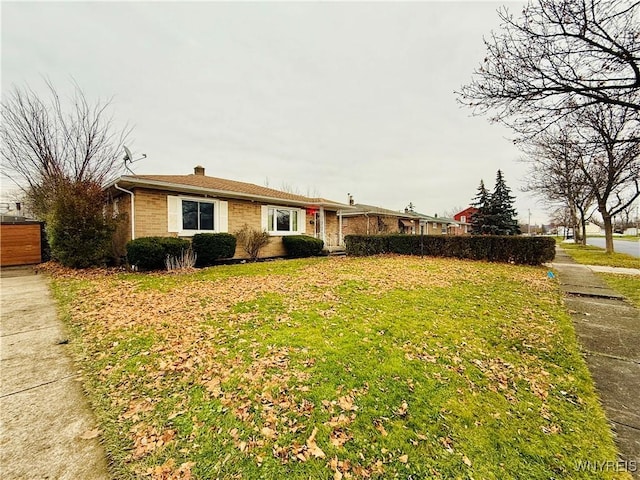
pixel 583 226
pixel 608 229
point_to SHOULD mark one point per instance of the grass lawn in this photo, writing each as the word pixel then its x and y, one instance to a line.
pixel 627 285
pixel 590 255
pixel 335 368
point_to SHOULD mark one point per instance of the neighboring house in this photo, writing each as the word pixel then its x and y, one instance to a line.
pixel 183 205
pixel 463 221
pixel 590 229
pixel 433 225
pixel 370 220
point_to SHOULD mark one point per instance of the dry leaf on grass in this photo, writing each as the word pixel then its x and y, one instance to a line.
pixel 89 434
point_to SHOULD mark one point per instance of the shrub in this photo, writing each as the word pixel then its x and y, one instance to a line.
pixel 252 240
pixel 78 233
pixel 185 261
pixel 298 246
pixel 150 253
pixel 520 250
pixel 210 247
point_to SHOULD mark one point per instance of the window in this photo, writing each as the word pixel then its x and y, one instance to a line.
pixel 282 220
pixel 190 215
pixel 197 215
pixel 463 219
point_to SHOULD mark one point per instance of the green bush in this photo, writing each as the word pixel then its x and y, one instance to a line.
pixel 150 253
pixel 299 246
pixel 78 234
pixel 520 250
pixel 210 247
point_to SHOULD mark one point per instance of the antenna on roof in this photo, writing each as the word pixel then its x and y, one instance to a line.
pixel 128 159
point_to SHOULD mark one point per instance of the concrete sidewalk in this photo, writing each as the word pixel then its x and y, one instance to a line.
pixel 46 427
pixel 608 328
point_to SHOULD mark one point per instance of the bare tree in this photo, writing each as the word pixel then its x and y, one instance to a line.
pixel 590 158
pixel 611 164
pixel 61 154
pixel 555 175
pixel 44 144
pixel 558 57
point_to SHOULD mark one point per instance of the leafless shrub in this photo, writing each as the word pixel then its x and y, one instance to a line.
pixel 185 261
pixel 252 240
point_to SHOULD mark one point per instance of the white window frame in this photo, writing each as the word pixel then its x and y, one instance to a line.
pixel 220 221
pixel 301 220
pixel 463 219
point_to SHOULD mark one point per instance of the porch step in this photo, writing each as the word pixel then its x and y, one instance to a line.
pixel 335 251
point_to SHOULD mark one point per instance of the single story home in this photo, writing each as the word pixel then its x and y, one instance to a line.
pixel 183 205
pixel 371 220
pixel 435 225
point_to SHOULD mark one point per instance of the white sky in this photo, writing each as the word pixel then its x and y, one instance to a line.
pixel 326 98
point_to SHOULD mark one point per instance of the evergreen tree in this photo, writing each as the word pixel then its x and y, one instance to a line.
pixel 502 217
pixel 482 201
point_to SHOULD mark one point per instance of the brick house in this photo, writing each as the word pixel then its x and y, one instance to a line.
pixel 463 221
pixel 435 225
pixel 183 205
pixel 370 220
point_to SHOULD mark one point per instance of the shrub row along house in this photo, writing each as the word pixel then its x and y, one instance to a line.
pixel 184 205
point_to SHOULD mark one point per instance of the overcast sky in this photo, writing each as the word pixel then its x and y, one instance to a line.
pixel 322 98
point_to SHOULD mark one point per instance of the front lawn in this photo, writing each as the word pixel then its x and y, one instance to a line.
pixel 627 285
pixel 590 255
pixel 332 368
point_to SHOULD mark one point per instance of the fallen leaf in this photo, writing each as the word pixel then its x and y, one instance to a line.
pixel 313 446
pixel 89 434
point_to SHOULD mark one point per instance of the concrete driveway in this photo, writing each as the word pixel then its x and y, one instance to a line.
pixel 46 427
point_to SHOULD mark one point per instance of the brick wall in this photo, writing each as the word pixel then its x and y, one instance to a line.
pixel 151 219
pixel 371 225
pixel 151 214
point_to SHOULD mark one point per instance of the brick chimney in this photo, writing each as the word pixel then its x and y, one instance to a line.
pixel 198 170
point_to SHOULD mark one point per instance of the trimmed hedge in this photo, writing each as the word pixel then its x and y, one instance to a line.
pixel 298 246
pixel 510 249
pixel 210 247
pixel 150 253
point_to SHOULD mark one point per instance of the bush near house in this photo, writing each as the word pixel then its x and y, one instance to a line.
pixel 299 246
pixel 210 247
pixel 78 233
pixel 520 250
pixel 150 253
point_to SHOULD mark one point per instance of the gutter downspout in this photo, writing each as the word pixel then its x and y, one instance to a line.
pixel 133 211
pixel 340 239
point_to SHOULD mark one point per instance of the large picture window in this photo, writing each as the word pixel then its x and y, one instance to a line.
pixel 197 215
pixel 187 216
pixel 282 220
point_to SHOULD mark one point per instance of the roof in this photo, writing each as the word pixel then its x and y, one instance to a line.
pixel 362 209
pixel 202 184
pixel 428 218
